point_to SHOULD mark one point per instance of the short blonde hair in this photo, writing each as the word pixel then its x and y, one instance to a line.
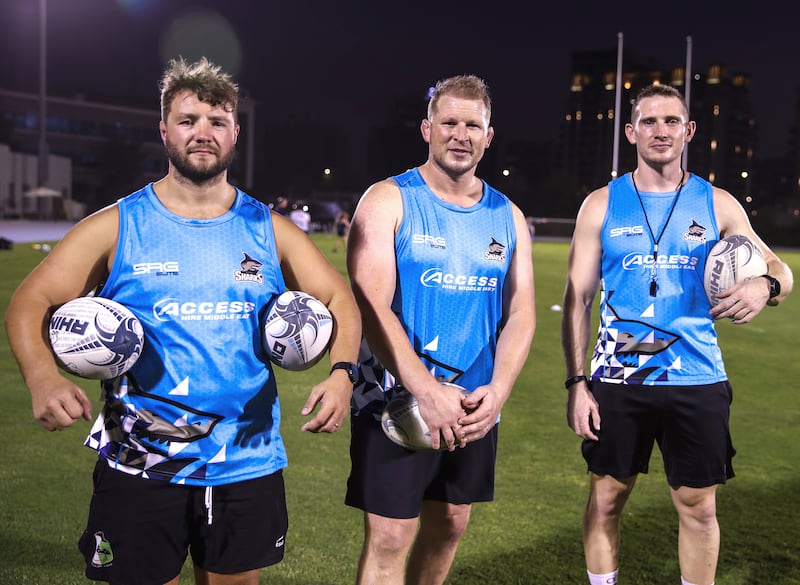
pixel 463 86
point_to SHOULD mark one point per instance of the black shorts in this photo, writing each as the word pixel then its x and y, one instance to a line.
pixel 392 481
pixel 689 423
pixel 140 530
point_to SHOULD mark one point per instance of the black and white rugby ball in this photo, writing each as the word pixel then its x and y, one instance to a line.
pixel 95 338
pixel 403 424
pixel 731 260
pixel 296 331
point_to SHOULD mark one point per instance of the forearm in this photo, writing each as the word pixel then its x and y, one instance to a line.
pixel 575 332
pixel 389 342
pixel 347 333
pixel 513 348
pixel 28 337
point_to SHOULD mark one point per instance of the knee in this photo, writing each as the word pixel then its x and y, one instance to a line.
pixel 446 524
pixel 698 506
pixel 391 538
pixel 607 503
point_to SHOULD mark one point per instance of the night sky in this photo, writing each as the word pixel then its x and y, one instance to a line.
pixel 344 63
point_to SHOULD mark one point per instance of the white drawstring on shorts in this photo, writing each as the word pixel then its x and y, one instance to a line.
pixel 209 504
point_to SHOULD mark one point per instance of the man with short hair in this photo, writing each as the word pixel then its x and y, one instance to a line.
pixel 441 266
pixel 190 453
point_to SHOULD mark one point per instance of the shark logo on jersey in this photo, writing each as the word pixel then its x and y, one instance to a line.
pixel 496 251
pixel 250 270
pixel 695 233
pixel 627 350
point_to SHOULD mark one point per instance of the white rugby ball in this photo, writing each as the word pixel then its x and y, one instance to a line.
pixel 95 338
pixel 731 260
pixel 296 331
pixel 403 424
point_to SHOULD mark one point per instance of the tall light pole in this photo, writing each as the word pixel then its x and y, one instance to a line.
pixel 43 153
pixel 688 94
pixel 617 99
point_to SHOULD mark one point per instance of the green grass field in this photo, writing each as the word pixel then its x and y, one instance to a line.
pixel 530 534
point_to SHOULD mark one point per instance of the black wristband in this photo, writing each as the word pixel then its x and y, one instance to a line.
pixel 574 380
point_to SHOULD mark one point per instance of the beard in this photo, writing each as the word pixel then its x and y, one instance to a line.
pixel 455 167
pixel 192 171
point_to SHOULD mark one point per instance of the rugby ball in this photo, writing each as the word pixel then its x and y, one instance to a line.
pixel 296 331
pixel 95 338
pixel 731 260
pixel 403 424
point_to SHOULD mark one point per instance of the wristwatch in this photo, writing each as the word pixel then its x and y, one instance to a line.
pixel 349 367
pixel 572 380
pixel 774 285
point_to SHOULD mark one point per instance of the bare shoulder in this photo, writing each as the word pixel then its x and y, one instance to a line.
pixel 80 260
pixel 597 198
pixel 594 206
pixel 380 200
pixel 731 216
pixel 381 192
pixel 98 232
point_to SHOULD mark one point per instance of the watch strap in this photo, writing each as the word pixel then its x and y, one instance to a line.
pixel 572 380
pixel 349 367
pixel 774 285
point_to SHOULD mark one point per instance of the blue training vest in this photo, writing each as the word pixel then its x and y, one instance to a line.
pixel 669 338
pixel 200 406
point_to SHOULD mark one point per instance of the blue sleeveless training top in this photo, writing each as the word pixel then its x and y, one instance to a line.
pixel 452 264
pixel 669 338
pixel 200 406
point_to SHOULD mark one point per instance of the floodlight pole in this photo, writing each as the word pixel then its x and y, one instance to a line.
pixel 43 162
pixel 615 156
pixel 688 93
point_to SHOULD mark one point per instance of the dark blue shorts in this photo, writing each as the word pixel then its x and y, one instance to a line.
pixel 689 423
pixel 139 531
pixel 392 481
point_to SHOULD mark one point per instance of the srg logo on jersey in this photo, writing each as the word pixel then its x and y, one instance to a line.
pixel 169 309
pixel 169 268
pixel 628 230
pixel 437 278
pixel 432 241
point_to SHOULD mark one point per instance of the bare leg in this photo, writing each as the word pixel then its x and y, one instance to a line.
pixel 441 527
pixel 601 521
pixel 385 549
pixel 203 577
pixel 698 533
